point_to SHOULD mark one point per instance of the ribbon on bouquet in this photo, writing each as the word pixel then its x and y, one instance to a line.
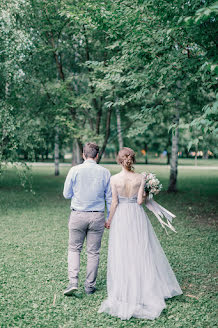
pixel 160 212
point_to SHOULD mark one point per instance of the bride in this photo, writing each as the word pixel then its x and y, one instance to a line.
pixel 139 276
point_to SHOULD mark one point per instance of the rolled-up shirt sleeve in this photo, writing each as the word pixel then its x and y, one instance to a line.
pixel 108 193
pixel 68 185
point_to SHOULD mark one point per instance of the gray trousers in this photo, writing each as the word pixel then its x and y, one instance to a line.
pixel 89 225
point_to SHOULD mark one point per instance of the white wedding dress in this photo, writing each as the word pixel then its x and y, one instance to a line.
pixel 139 276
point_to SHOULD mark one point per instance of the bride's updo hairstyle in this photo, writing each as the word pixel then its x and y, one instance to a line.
pixel 126 157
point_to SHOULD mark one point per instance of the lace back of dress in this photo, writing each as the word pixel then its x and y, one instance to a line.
pixel 128 187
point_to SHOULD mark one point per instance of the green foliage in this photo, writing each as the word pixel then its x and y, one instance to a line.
pixel 68 64
pixel 203 14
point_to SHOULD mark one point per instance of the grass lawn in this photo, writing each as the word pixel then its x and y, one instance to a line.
pixel 33 251
pixel 162 161
pixel 153 161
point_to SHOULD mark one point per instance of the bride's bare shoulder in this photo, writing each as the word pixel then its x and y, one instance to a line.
pixel 115 177
pixel 138 176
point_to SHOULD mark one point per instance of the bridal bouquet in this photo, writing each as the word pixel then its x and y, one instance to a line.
pixel 153 187
pixel 152 184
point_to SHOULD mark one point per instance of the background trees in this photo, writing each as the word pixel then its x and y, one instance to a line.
pixel 137 70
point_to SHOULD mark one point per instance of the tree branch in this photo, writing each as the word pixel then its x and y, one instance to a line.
pixel 58 62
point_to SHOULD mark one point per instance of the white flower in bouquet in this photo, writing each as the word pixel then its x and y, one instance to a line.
pixel 152 184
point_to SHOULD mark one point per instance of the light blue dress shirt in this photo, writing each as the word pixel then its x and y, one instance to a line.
pixel 88 187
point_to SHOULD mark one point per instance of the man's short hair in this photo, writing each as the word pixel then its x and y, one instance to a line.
pixel 90 149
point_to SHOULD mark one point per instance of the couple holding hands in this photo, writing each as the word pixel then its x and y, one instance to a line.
pixel 139 276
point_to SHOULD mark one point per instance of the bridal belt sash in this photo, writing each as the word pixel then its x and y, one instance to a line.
pixel 127 200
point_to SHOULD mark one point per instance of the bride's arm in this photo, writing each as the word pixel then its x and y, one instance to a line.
pixel 141 193
pixel 114 204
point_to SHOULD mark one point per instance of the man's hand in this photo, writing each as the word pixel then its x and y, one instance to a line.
pixel 107 225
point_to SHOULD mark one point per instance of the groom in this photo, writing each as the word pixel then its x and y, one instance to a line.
pixel 88 187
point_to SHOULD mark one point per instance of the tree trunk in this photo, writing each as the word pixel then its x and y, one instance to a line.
pixel 80 149
pixel 77 159
pixel 99 116
pixel 96 104
pixel 6 90
pixel 196 155
pixel 168 146
pixel 56 151
pixel 168 158
pixel 107 134
pixel 146 154
pixel 46 153
pixel 74 153
pixel 174 153
pixel 4 135
pixel 119 132
pixel 57 57
pixel 205 154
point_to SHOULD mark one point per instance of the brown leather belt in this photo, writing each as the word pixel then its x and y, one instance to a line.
pixel 87 211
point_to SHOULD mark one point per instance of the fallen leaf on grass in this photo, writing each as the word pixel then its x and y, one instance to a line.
pixel 192 296
pixel 54 300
